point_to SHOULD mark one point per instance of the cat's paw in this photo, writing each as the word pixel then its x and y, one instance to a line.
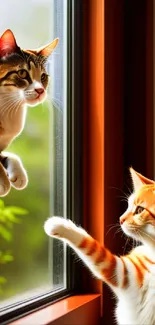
pixel 4 189
pixel 16 172
pixel 18 178
pixel 58 227
pixel 4 182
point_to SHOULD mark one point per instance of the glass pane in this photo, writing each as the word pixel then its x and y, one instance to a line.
pixel 37 265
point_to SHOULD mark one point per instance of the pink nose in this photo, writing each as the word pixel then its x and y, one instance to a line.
pixel 39 90
pixel 122 220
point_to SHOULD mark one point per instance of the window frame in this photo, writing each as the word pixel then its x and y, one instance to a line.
pixel 81 183
pixel 20 309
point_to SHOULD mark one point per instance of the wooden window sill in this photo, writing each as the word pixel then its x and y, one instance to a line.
pixel 74 310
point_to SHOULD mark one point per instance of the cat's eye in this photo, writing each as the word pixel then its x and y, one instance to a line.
pixel 22 73
pixel 43 77
pixel 139 209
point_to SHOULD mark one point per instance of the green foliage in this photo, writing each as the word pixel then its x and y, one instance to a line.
pixel 7 219
pixel 29 244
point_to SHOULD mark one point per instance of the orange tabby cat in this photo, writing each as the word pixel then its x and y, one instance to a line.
pixel 23 81
pixel 131 277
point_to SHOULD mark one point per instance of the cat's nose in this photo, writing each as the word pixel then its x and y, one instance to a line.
pixel 122 220
pixel 39 90
pixel 125 216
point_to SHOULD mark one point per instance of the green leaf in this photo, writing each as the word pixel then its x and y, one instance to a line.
pixel 5 233
pixel 2 217
pixel 2 280
pixel 7 258
pixel 10 216
pixel 17 210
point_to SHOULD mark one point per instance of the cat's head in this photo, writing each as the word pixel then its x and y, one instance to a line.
pixel 23 75
pixel 138 221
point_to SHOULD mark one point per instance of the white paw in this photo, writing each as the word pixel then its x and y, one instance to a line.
pixel 4 182
pixel 4 189
pixel 58 227
pixel 15 170
pixel 18 178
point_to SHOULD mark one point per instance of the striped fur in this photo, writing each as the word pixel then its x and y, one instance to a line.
pixel 23 81
pixel 132 276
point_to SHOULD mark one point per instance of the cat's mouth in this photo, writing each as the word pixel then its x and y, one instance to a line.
pixel 140 233
pixel 131 230
pixel 34 97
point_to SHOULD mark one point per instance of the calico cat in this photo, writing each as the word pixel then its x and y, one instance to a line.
pixel 132 276
pixel 23 81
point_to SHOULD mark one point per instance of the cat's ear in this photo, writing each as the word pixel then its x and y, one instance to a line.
pixel 48 49
pixel 8 43
pixel 139 180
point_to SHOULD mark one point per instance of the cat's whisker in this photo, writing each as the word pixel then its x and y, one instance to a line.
pixel 147 235
pixel 43 108
pixel 11 107
pixel 118 230
pixel 123 199
pixel 118 189
pixel 3 96
pixel 141 237
pixel 55 102
pixel 15 108
pixel 113 224
pixel 10 110
pixel 126 242
pixel 6 102
pixel 129 190
pixel 112 227
pixel 4 107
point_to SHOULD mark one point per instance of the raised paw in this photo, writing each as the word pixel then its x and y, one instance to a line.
pixel 16 172
pixel 4 189
pixel 58 227
pixel 4 182
pixel 18 179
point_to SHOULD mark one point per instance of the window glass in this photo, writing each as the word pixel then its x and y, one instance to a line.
pixel 30 264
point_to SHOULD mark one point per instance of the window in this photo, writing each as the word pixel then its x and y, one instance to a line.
pixel 31 266
pixel 83 150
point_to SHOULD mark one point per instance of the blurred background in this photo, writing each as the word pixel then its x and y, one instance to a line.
pixel 40 146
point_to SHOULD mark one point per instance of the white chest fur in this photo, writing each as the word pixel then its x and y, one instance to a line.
pixel 136 306
pixel 11 125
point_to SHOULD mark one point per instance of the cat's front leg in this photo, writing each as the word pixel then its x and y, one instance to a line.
pixel 4 181
pixel 65 229
pixel 99 259
pixel 16 172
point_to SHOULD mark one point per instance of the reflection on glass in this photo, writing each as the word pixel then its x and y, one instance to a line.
pixel 38 265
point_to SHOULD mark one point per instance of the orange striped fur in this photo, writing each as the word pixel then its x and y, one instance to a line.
pixel 132 276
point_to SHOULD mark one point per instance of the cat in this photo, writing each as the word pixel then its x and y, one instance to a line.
pixel 132 276
pixel 23 81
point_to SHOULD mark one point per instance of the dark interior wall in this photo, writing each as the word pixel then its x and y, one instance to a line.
pixel 138 87
pixel 114 139
pixel 128 111
pixel 135 114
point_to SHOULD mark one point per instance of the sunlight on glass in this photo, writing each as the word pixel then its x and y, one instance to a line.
pixel 30 263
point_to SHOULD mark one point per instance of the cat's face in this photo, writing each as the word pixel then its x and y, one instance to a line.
pixel 23 76
pixel 138 221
